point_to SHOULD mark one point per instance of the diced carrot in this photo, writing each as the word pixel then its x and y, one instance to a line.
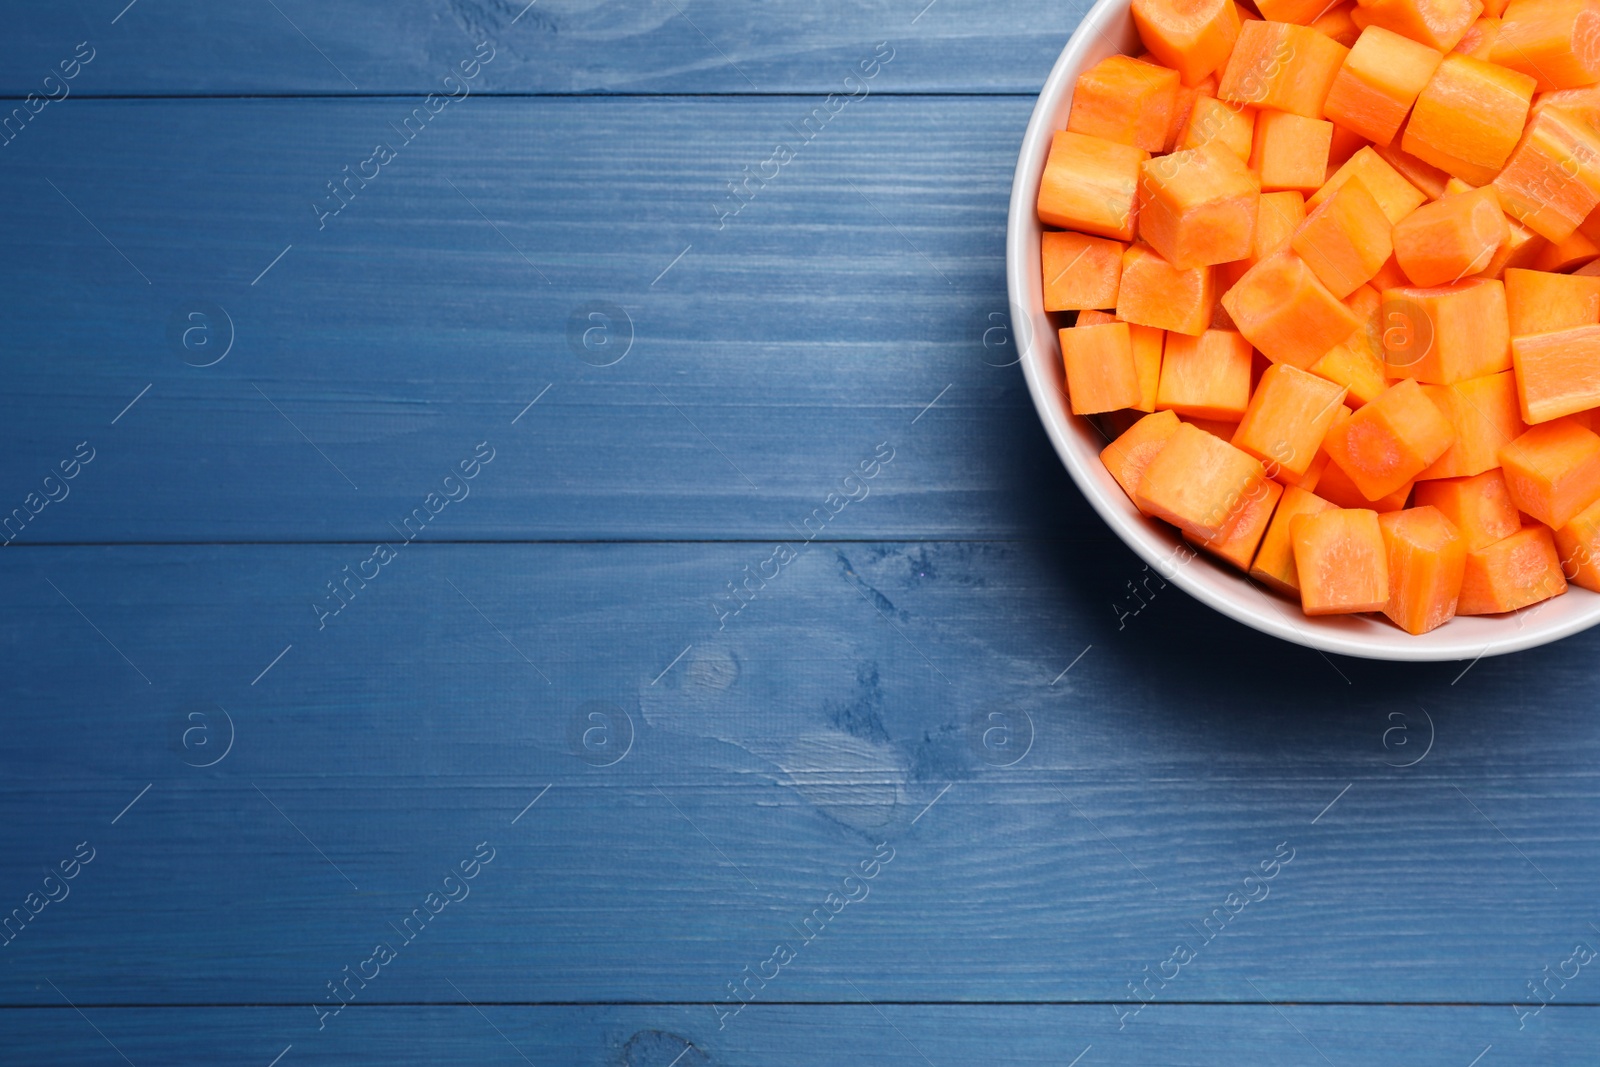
pixel 1346 240
pixel 1451 238
pixel 1340 561
pixel 1436 23
pixel 1512 573
pixel 1558 373
pixel 1479 506
pixel 1578 544
pixel 1336 487
pixel 1551 181
pixel 1237 545
pixel 1148 342
pixel 1478 41
pixel 1319 463
pixel 1121 99
pixel 1197 207
pixel 1356 368
pixel 1484 414
pixel 1079 271
pixel 1336 23
pixel 1091 184
pixel 1199 482
pixel 1093 317
pixel 1183 106
pixel 1379 82
pixel 1572 251
pixel 1155 293
pixel 1288 415
pixel 1427 559
pixel 1281 307
pixel 1128 456
pixel 1207 376
pixel 1468 117
pixel 1193 37
pixel 1099 364
pixel 1553 471
pixel 1281 66
pixel 1230 125
pixel 1290 151
pixel 1397 196
pixel 1274 562
pixel 1424 177
pixel 1555 42
pixel 1444 334
pixel 1390 440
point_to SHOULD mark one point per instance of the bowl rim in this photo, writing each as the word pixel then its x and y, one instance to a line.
pixel 1165 552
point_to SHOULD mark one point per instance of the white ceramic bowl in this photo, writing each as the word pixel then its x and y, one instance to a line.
pixel 1107 29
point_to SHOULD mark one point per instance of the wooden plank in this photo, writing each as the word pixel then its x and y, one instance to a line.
pixel 847 705
pixel 855 300
pixel 184 47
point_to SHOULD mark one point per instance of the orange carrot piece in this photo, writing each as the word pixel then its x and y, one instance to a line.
pixel 1123 100
pixel 1155 293
pixel 1553 471
pixel 1237 545
pixel 1451 238
pixel 1427 559
pixel 1199 482
pixel 1288 415
pixel 1091 184
pixel 1551 181
pixel 1338 24
pixel 1093 317
pixel 1478 41
pixel 1336 487
pixel 1290 151
pixel 1278 215
pixel 1378 83
pixel 1479 506
pixel 1555 42
pixel 1485 416
pixel 1193 37
pixel 1345 144
pixel 1341 561
pixel 1357 368
pixel 1299 12
pixel 1231 125
pixel 1578 545
pixel 1099 365
pixel 1558 373
pixel 1079 271
pixel 1197 207
pixel 1274 562
pixel 1444 334
pixel 1312 478
pixel 1207 377
pixel 1281 307
pixel 1397 196
pixel 1148 343
pixel 1389 276
pixel 1128 456
pixel 1575 250
pixel 1438 24
pixel 1468 117
pixel 1512 573
pixel 1346 240
pixel 1183 106
pixel 1390 441
pixel 1281 66
pixel 1425 177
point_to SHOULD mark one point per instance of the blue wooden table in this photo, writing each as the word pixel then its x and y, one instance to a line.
pixel 524 542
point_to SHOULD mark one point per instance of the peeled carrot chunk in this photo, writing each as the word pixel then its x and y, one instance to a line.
pixel 1391 440
pixel 1378 83
pixel 1155 293
pixel 1278 215
pixel 1340 561
pixel 1148 343
pixel 1512 573
pixel 1551 181
pixel 1394 194
pixel 1444 334
pixel 1197 207
pixel 1274 562
pixel 1436 23
pixel 1121 99
pixel 1346 240
pixel 1480 507
pixel 1539 302
pixel 1183 106
pixel 1093 317
pixel 1128 456
pixel 1199 482
pixel 1558 373
pixel 1281 307
pixel 1555 42
pixel 1299 12
pixel 1281 66
pixel 1425 177
pixel 1207 376
pixel 1237 545
pixel 1468 117
pixel 1553 471
pixel 1485 416
pixel 1290 151
pixel 1572 251
pixel 1230 125
pixel 1079 271
pixel 1338 24
pixel 1336 487
pixel 1312 478
pixel 1578 544
pixel 1091 184
pixel 1288 416
pixel 1478 41
pixel 1451 238
pixel 1356 368
pixel 1099 366
pixel 1427 559
pixel 1193 37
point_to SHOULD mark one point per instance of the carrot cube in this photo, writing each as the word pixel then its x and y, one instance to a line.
pixel 1128 456
pixel 1444 334
pixel 1281 66
pixel 1557 373
pixel 1193 37
pixel 1207 377
pixel 1099 364
pixel 1452 237
pixel 1336 487
pixel 1578 544
pixel 1230 125
pixel 1425 177
pixel 1345 241
pixel 1287 418
pixel 1079 271
pixel 1155 293
pixel 1468 117
pixel 1572 251
pixel 1512 573
pixel 1478 41
pixel 1378 83
pixel 1338 24
pixel 1485 416
pixel 1121 99
pixel 1555 42
pixel 1341 561
pixel 1299 12
pixel 1148 343
pixel 1278 215
pixel 1439 24
pixel 1553 471
pixel 1290 151
pixel 1540 302
pixel 1480 507
pixel 1281 307
pixel 1551 181
pixel 1091 184
pixel 1237 545
pixel 1274 562
pixel 1357 368
pixel 1394 194
pixel 1183 103
pixel 1197 207
pixel 1093 317
pixel 1427 558
pixel 1199 482
pixel 1391 440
